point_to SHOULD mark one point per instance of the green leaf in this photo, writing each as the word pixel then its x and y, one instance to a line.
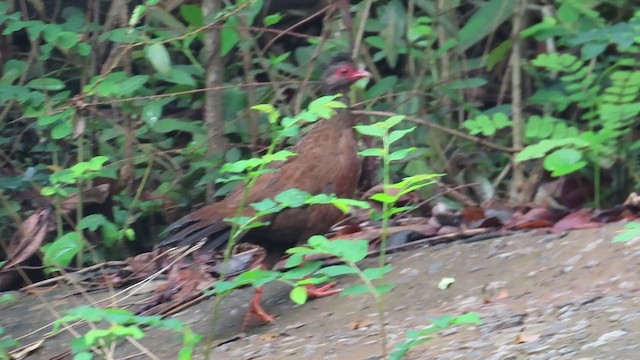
pixel 83 356
pixel 377 152
pixel 564 161
pixel 376 273
pixel 229 36
pixel 401 154
pixel 355 289
pixel 68 39
pixel 92 222
pixel 266 205
pixel 370 130
pixel 336 270
pixel 159 57
pixel 272 19
pixel 60 252
pixel 470 83
pixel 178 75
pixel 292 198
pixel 393 121
pixel 393 15
pixel 128 86
pixel 499 53
pixel 13 70
pixel 468 318
pixel 630 232
pixel 46 84
pixel 299 295
pixel 192 14
pixel 384 198
pixel 396 135
pixel 307 269
pixel 483 22
pixel 61 130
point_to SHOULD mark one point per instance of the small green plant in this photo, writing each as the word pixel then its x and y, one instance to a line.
pixel 123 324
pixel 415 337
pixel 630 232
pixel 392 192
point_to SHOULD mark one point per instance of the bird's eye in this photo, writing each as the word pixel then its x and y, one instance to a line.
pixel 344 71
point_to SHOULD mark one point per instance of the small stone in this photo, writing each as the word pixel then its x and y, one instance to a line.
pixel 579 326
pixel 616 318
pixel 590 247
pixel 580 336
pixel 591 264
pixel 566 350
pixel 477 268
pixel 476 344
pixel 626 285
pixel 573 260
pixel 450 331
pixel 536 348
pixel 613 335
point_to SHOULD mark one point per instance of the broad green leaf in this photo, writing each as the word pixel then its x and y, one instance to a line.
pixel 60 252
pixel 192 14
pixel 68 39
pixel 92 222
pixel 292 198
pixel 12 70
pixel 336 270
pixel 272 19
pixel 499 53
pixel 468 318
pixel 396 135
pixel 376 273
pixel 377 152
pixel 401 154
pixel 370 130
pixel 159 57
pixel 483 22
pixel 355 289
pixel 229 35
pixel 564 161
pixel 46 84
pixel 128 86
pixel 298 295
pixel 307 269
pixel 61 130
pixel 384 198
pixel 393 121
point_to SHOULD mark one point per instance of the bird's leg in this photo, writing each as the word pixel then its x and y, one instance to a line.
pixel 314 292
pixel 256 310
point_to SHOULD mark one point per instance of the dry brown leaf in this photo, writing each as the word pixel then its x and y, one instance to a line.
pixel 360 324
pixel 30 236
pixel 526 338
pixel 581 219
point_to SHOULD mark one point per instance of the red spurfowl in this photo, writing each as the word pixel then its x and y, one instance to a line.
pixel 326 162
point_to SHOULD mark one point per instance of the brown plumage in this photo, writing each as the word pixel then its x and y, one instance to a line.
pixel 326 161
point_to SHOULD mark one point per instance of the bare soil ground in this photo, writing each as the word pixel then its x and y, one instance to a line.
pixel 558 296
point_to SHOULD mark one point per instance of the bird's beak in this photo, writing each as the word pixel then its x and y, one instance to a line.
pixel 360 74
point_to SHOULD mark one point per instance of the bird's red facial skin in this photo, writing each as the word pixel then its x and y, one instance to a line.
pixel 351 73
